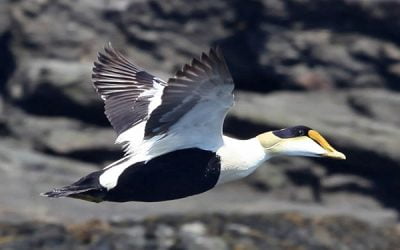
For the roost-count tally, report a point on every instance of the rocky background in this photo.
(333, 65)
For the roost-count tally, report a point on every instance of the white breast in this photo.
(239, 158)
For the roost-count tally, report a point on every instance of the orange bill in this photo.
(330, 151)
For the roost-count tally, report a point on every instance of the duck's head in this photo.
(298, 140)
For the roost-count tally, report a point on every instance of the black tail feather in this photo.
(87, 188)
(65, 191)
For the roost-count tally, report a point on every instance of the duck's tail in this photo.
(87, 188)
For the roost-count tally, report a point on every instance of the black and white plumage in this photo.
(143, 108)
(172, 133)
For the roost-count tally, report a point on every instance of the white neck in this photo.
(239, 158)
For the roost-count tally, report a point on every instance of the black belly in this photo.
(171, 176)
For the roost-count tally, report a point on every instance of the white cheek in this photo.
(306, 147)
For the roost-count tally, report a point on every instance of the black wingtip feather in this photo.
(57, 193)
(66, 191)
(108, 48)
(51, 194)
(88, 194)
(119, 83)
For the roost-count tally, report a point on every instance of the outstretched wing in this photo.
(126, 89)
(151, 115)
(205, 83)
(194, 105)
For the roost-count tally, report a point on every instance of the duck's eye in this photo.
(301, 132)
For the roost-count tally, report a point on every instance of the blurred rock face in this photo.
(331, 65)
(216, 232)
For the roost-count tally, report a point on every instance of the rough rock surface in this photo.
(63, 136)
(333, 65)
(214, 232)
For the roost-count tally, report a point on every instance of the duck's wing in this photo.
(186, 111)
(194, 104)
(127, 90)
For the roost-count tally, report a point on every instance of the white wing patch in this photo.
(153, 117)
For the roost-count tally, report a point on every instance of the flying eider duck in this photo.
(171, 132)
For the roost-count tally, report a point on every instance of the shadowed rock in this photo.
(216, 232)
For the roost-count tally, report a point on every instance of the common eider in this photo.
(171, 132)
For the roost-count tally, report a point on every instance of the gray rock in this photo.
(4, 16)
(268, 177)
(380, 106)
(52, 87)
(49, 78)
(134, 237)
(63, 136)
(61, 29)
(260, 231)
(296, 179)
(340, 181)
(194, 236)
(276, 43)
(165, 236)
(322, 59)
